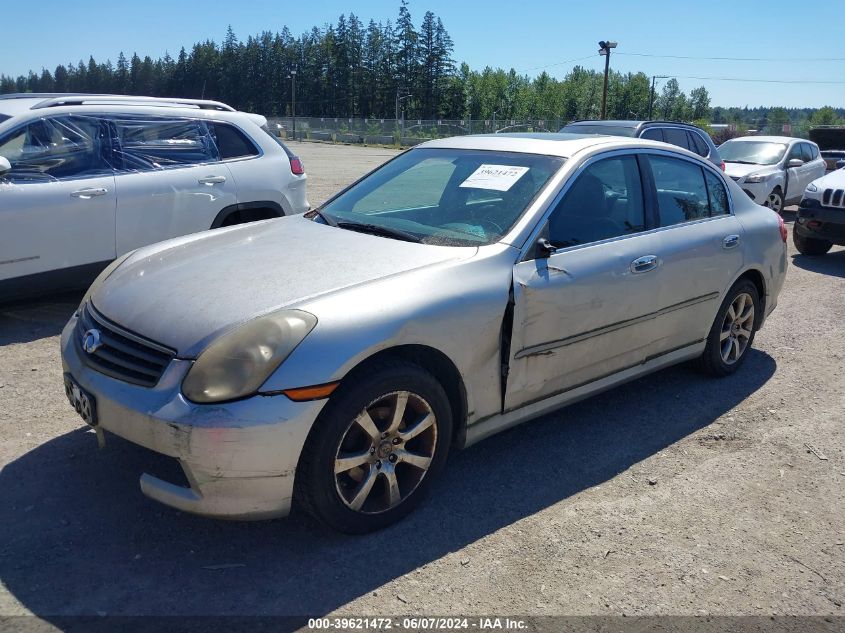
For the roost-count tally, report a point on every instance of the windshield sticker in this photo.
(496, 177)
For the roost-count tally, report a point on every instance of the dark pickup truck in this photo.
(831, 142)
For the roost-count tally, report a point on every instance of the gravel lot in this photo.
(675, 494)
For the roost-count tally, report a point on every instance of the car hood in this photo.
(740, 170)
(186, 292)
(834, 180)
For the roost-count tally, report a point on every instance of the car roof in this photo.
(634, 123)
(770, 139)
(551, 144)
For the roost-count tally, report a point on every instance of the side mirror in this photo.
(543, 248)
(5, 166)
(794, 162)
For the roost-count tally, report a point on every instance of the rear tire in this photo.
(732, 332)
(364, 466)
(810, 246)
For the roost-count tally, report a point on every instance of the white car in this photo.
(87, 178)
(772, 170)
(821, 217)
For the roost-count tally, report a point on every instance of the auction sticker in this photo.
(496, 177)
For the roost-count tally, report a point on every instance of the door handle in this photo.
(644, 264)
(731, 241)
(91, 192)
(212, 180)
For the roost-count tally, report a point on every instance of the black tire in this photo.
(810, 246)
(316, 490)
(712, 361)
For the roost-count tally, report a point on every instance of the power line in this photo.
(741, 59)
(566, 61)
(763, 81)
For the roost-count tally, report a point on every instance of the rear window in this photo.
(610, 130)
(231, 142)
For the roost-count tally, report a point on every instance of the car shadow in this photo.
(77, 536)
(27, 321)
(832, 264)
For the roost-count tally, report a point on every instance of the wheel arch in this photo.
(756, 277)
(248, 212)
(441, 367)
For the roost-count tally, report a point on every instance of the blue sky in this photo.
(527, 36)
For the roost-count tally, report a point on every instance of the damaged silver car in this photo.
(334, 360)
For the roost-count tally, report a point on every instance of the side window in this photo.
(815, 151)
(795, 152)
(652, 134)
(806, 152)
(145, 144)
(681, 192)
(697, 144)
(231, 142)
(676, 136)
(717, 194)
(605, 201)
(59, 147)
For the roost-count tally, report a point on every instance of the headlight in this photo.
(757, 178)
(238, 363)
(108, 270)
(812, 188)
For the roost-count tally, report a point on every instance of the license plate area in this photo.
(82, 401)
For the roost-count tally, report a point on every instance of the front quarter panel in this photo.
(456, 308)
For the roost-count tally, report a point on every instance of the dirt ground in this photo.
(675, 494)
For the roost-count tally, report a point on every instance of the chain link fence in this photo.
(402, 132)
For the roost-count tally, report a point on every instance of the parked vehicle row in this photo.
(87, 178)
(505, 276)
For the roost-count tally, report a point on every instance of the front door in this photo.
(587, 310)
(170, 181)
(57, 204)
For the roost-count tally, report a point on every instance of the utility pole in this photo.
(604, 49)
(293, 99)
(651, 96)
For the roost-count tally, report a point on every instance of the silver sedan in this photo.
(335, 359)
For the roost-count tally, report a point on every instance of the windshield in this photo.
(444, 196)
(610, 130)
(752, 152)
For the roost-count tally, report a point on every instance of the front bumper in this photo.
(757, 191)
(821, 223)
(239, 457)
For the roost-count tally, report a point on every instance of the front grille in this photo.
(833, 198)
(121, 354)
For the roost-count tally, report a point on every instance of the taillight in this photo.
(296, 166)
(782, 228)
(723, 165)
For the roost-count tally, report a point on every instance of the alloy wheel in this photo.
(737, 328)
(775, 202)
(385, 452)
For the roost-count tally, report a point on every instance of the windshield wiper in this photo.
(375, 229)
(326, 218)
(742, 162)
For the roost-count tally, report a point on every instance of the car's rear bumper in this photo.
(821, 223)
(238, 457)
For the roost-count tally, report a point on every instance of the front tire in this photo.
(810, 246)
(775, 200)
(732, 331)
(376, 448)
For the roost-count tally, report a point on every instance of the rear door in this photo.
(57, 205)
(699, 245)
(170, 181)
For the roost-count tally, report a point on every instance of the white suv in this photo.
(86, 178)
